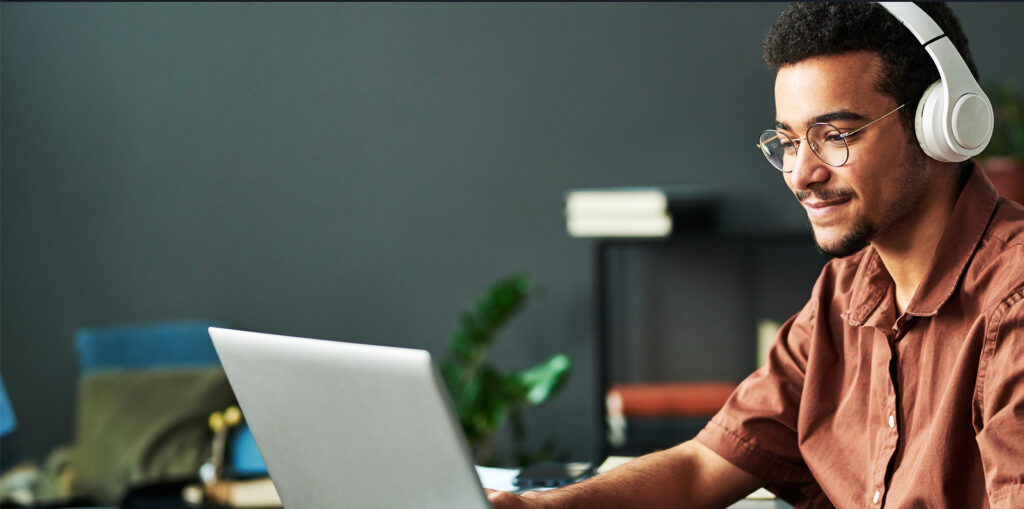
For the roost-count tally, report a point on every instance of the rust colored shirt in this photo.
(857, 406)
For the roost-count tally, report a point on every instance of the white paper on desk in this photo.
(500, 479)
(761, 494)
(612, 462)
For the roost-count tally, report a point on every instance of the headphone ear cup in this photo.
(929, 125)
(973, 120)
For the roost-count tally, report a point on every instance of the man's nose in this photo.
(808, 168)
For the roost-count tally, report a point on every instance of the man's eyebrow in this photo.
(839, 115)
(826, 117)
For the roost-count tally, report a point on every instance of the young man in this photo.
(901, 381)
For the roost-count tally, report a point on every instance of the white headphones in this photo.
(954, 117)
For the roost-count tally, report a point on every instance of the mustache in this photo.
(825, 194)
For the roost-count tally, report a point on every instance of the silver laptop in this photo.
(348, 425)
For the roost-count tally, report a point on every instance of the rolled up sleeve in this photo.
(999, 402)
(756, 430)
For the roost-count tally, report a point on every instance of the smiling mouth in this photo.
(823, 199)
(825, 211)
(822, 204)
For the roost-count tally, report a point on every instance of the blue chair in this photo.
(7, 420)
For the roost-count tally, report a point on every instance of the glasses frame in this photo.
(798, 142)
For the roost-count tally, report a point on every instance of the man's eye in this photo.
(835, 138)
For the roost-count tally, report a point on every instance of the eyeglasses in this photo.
(825, 140)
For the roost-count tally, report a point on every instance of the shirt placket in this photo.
(889, 430)
(885, 430)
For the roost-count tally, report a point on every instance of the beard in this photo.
(857, 238)
(912, 191)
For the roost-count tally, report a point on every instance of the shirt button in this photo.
(878, 495)
(892, 421)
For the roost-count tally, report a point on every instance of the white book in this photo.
(634, 201)
(638, 211)
(654, 226)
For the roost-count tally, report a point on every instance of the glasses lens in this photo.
(777, 148)
(829, 144)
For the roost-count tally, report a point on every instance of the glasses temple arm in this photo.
(855, 131)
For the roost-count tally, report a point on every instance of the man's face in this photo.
(882, 185)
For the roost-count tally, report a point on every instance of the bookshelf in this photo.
(685, 308)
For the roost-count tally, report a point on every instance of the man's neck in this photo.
(907, 248)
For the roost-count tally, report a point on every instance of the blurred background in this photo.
(364, 171)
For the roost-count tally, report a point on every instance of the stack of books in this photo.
(638, 211)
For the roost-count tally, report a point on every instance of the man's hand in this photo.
(506, 500)
(687, 475)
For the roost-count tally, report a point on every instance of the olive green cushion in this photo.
(145, 426)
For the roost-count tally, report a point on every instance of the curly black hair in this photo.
(806, 30)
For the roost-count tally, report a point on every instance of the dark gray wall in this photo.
(359, 171)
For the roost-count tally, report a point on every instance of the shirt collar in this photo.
(963, 233)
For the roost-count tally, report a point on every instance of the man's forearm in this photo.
(688, 475)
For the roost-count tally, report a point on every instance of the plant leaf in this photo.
(545, 379)
(492, 405)
(502, 301)
(483, 397)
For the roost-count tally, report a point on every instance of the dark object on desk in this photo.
(156, 496)
(165, 496)
(552, 474)
(62, 503)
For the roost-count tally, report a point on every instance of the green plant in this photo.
(484, 397)
(1008, 133)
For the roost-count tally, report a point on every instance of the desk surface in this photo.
(168, 496)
